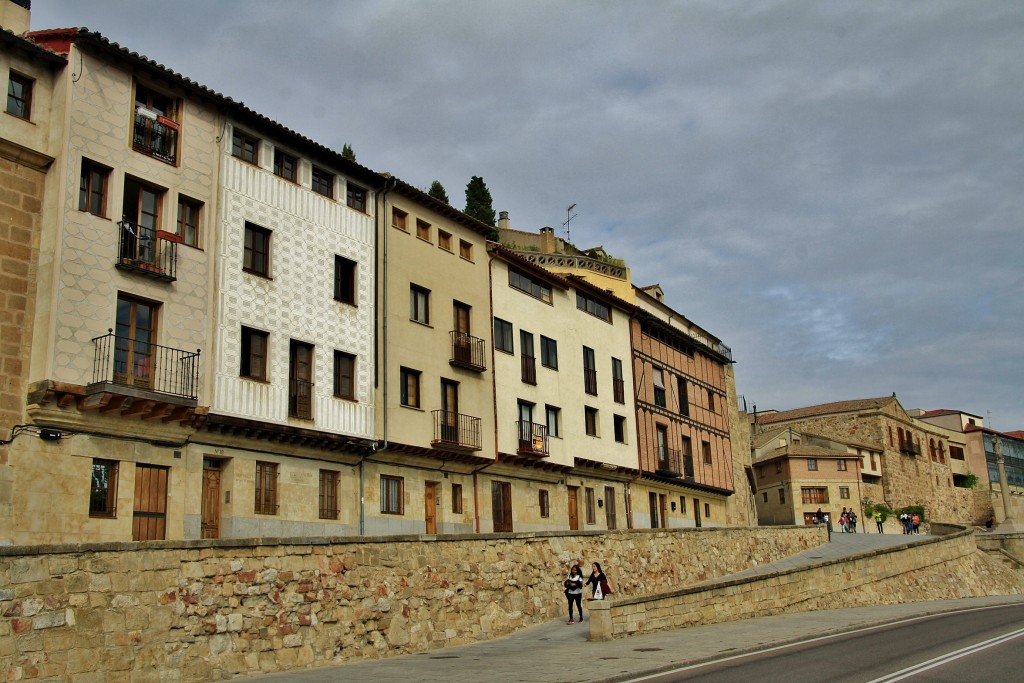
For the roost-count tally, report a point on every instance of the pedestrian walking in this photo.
(915, 522)
(879, 520)
(598, 583)
(574, 592)
(853, 522)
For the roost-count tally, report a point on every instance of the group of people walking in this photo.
(575, 585)
(911, 523)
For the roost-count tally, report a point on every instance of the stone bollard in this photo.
(600, 619)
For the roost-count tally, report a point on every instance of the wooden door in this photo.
(652, 503)
(501, 505)
(574, 509)
(149, 516)
(696, 511)
(430, 506)
(463, 349)
(210, 514)
(609, 507)
(663, 508)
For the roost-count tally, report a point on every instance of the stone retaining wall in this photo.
(941, 569)
(208, 610)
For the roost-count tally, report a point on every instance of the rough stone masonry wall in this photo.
(207, 610)
(946, 568)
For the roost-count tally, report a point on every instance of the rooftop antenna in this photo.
(569, 216)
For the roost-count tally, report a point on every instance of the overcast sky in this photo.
(835, 189)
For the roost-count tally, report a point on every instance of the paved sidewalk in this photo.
(555, 652)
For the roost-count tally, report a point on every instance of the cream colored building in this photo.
(566, 421)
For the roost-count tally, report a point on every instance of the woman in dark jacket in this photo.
(574, 592)
(596, 580)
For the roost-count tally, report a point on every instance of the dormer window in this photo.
(156, 125)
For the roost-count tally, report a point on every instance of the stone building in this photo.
(911, 471)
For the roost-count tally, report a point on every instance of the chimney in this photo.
(547, 240)
(503, 220)
(15, 15)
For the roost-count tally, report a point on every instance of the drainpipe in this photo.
(494, 391)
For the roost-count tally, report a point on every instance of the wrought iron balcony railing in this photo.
(468, 352)
(157, 137)
(300, 399)
(590, 381)
(140, 364)
(688, 466)
(147, 250)
(669, 462)
(528, 365)
(533, 438)
(455, 430)
(619, 390)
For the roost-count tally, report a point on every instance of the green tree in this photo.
(478, 201)
(348, 152)
(437, 192)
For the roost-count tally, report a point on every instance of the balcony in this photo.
(590, 381)
(669, 463)
(619, 390)
(300, 399)
(533, 439)
(528, 368)
(151, 252)
(151, 367)
(156, 136)
(456, 431)
(468, 352)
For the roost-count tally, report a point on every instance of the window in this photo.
(19, 95)
(813, 495)
(812, 464)
(620, 428)
(103, 495)
(256, 258)
(610, 516)
(764, 496)
(589, 371)
(844, 492)
(706, 450)
(684, 397)
(419, 304)
(552, 416)
(956, 453)
(503, 336)
(465, 250)
(300, 380)
(782, 496)
(711, 400)
(590, 420)
(840, 465)
(687, 451)
(266, 488)
(323, 182)
(444, 240)
(410, 391)
(187, 225)
(591, 504)
(707, 511)
(761, 470)
(501, 506)
(618, 386)
(548, 352)
(527, 361)
(457, 499)
(285, 165)
(92, 191)
(659, 387)
(344, 375)
(778, 467)
(328, 494)
(399, 219)
(155, 130)
(517, 279)
(254, 354)
(392, 495)
(355, 197)
(544, 499)
(344, 280)
(423, 229)
(245, 147)
(593, 307)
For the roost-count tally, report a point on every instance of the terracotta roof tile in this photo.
(825, 409)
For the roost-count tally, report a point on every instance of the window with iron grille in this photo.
(266, 488)
(328, 494)
(618, 386)
(589, 371)
(103, 494)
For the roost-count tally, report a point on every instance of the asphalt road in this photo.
(984, 644)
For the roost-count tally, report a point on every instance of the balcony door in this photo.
(134, 337)
(300, 381)
(450, 411)
(141, 213)
(526, 426)
(662, 433)
(460, 323)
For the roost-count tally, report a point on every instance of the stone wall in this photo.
(206, 610)
(942, 569)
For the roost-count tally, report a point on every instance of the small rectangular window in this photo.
(444, 240)
(466, 250)
(92, 191)
(618, 384)
(344, 280)
(419, 304)
(328, 494)
(19, 95)
(684, 398)
(548, 352)
(707, 511)
(503, 336)
(590, 497)
(552, 417)
(840, 465)
(593, 307)
(620, 429)
(590, 420)
(410, 390)
(266, 488)
(812, 464)
(355, 197)
(323, 182)
(529, 285)
(782, 496)
(285, 165)
(544, 500)
(423, 230)
(188, 220)
(658, 377)
(844, 492)
(245, 147)
(256, 257)
(344, 375)
(399, 219)
(706, 447)
(254, 354)
(711, 400)
(391, 495)
(457, 499)
(103, 495)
